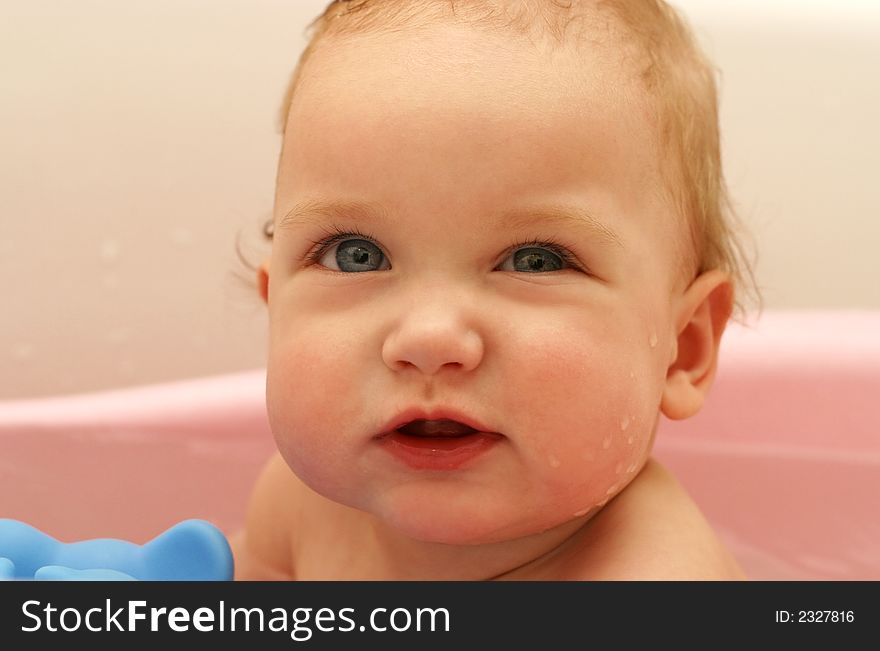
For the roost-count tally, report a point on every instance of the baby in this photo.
(501, 249)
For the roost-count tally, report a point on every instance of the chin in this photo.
(450, 524)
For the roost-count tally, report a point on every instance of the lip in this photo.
(436, 452)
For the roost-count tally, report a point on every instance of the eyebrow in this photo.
(553, 214)
(313, 211)
(563, 216)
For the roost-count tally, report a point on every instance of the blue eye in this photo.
(354, 252)
(352, 256)
(534, 260)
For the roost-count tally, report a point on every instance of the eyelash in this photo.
(333, 235)
(554, 247)
(336, 234)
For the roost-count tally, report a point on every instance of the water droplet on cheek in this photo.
(653, 340)
(618, 468)
(612, 490)
(578, 514)
(606, 442)
(629, 440)
(624, 423)
(554, 461)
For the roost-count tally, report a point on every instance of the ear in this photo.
(702, 315)
(263, 280)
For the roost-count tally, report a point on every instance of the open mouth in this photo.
(437, 444)
(436, 429)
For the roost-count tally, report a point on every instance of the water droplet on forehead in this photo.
(554, 462)
(606, 442)
(109, 250)
(21, 351)
(180, 236)
(653, 340)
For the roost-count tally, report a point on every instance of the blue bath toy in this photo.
(7, 570)
(192, 550)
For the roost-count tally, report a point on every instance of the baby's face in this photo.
(458, 283)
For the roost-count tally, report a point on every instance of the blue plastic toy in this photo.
(192, 550)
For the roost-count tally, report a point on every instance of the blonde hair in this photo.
(672, 69)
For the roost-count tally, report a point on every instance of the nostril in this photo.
(431, 347)
(430, 372)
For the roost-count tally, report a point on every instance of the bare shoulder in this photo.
(653, 530)
(264, 549)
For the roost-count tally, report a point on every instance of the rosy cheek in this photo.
(583, 412)
(302, 374)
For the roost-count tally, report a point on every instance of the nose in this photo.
(430, 339)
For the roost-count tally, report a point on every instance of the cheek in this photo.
(308, 377)
(583, 405)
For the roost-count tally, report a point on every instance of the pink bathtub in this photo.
(784, 459)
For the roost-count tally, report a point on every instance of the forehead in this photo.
(468, 69)
(471, 116)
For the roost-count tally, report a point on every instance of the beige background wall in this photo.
(138, 141)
